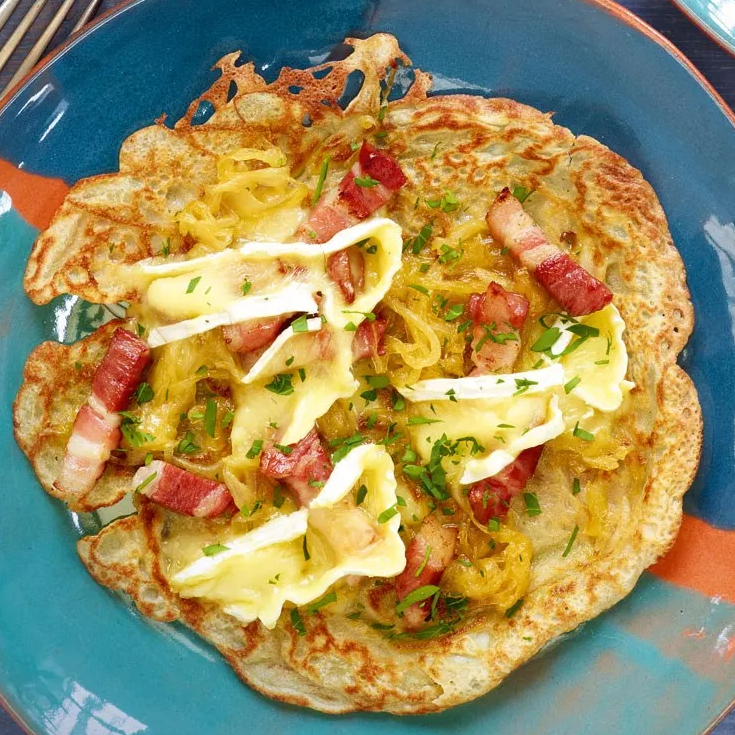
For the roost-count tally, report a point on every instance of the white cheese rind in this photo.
(484, 386)
(235, 578)
(294, 298)
(482, 468)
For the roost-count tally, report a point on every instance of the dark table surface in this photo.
(716, 64)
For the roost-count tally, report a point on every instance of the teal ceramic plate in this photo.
(75, 659)
(715, 17)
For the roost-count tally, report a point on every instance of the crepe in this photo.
(469, 146)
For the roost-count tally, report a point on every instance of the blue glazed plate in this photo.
(715, 17)
(76, 659)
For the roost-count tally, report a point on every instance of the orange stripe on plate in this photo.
(701, 559)
(35, 197)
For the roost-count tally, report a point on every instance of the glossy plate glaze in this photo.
(75, 659)
(715, 17)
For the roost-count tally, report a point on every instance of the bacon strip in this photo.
(183, 491)
(120, 371)
(347, 269)
(499, 315)
(251, 336)
(96, 432)
(576, 290)
(351, 202)
(307, 461)
(491, 498)
(368, 339)
(427, 556)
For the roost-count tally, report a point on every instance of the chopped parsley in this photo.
(523, 384)
(377, 381)
(418, 595)
(281, 385)
(247, 512)
(450, 254)
(514, 608)
(302, 374)
(187, 445)
(398, 401)
(148, 480)
(300, 325)
(131, 433)
(144, 393)
(532, 505)
(255, 449)
(367, 314)
(314, 607)
(297, 622)
(521, 193)
(388, 513)
(367, 181)
(417, 244)
(278, 496)
(210, 417)
(418, 420)
(572, 384)
(547, 340)
(582, 434)
(320, 181)
(424, 561)
(345, 444)
(571, 540)
(448, 203)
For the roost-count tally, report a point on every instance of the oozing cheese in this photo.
(599, 362)
(266, 568)
(502, 427)
(283, 279)
(292, 414)
(274, 359)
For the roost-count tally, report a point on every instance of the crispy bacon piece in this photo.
(306, 461)
(381, 167)
(427, 556)
(326, 220)
(250, 336)
(120, 371)
(183, 491)
(351, 202)
(491, 498)
(499, 315)
(96, 432)
(368, 339)
(347, 269)
(576, 290)
(92, 439)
